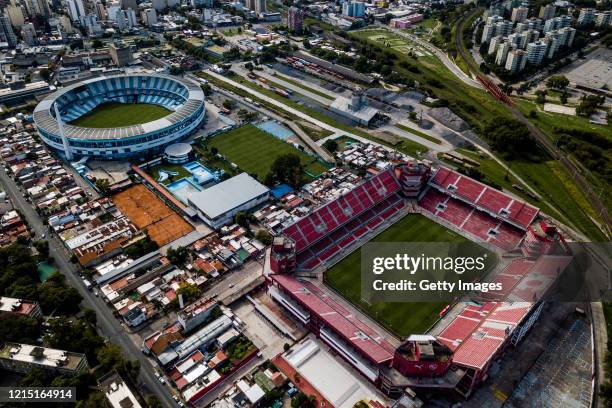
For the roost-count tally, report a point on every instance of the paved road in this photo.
(107, 324)
(318, 98)
(442, 56)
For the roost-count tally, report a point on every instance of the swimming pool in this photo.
(201, 175)
(183, 189)
(275, 129)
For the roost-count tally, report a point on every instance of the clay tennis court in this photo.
(151, 214)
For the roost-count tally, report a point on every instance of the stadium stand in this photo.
(496, 203)
(330, 229)
(483, 213)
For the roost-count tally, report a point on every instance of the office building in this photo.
(23, 358)
(603, 19)
(495, 41)
(259, 6)
(76, 9)
(15, 14)
(120, 53)
(353, 9)
(28, 33)
(149, 17)
(557, 23)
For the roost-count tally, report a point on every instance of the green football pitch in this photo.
(254, 151)
(401, 319)
(114, 114)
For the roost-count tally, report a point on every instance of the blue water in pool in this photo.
(201, 175)
(183, 189)
(275, 129)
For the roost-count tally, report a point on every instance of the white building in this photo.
(586, 16)
(502, 53)
(117, 393)
(603, 19)
(217, 205)
(76, 9)
(519, 14)
(536, 52)
(149, 17)
(547, 12)
(516, 60)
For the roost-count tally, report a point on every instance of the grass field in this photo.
(114, 114)
(400, 318)
(254, 151)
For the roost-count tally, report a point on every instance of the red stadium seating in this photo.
(498, 204)
(469, 219)
(308, 230)
(336, 225)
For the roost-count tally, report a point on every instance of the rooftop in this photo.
(227, 195)
(41, 356)
(361, 336)
(117, 392)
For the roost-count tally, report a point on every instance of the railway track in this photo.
(575, 172)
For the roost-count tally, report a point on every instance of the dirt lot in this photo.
(149, 213)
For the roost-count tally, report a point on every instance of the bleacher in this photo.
(152, 90)
(468, 218)
(487, 199)
(334, 227)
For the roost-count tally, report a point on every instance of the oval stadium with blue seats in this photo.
(183, 99)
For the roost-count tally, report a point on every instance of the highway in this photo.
(107, 324)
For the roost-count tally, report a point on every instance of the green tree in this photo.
(19, 329)
(178, 256)
(189, 291)
(557, 82)
(286, 169)
(330, 145)
(509, 137)
(152, 401)
(264, 237)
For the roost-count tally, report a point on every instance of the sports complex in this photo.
(119, 116)
(438, 346)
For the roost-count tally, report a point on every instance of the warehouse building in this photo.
(217, 205)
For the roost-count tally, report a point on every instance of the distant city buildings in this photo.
(547, 12)
(295, 19)
(519, 14)
(353, 9)
(7, 34)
